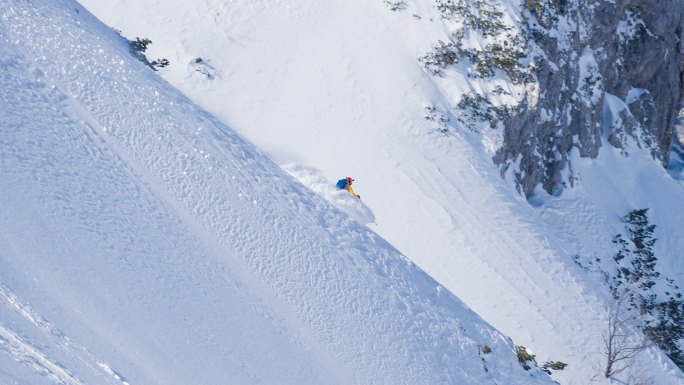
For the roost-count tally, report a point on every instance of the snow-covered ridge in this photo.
(144, 242)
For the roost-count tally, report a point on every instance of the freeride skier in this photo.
(346, 184)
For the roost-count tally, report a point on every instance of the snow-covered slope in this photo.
(144, 242)
(330, 89)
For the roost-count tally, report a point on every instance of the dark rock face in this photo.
(591, 55)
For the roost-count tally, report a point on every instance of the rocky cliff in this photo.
(605, 70)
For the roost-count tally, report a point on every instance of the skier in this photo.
(345, 184)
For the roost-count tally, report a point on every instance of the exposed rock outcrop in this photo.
(608, 69)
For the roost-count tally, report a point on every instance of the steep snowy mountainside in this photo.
(330, 89)
(144, 242)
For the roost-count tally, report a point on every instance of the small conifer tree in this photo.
(634, 281)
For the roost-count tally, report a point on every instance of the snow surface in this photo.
(144, 242)
(330, 89)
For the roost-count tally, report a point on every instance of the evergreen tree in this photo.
(667, 327)
(635, 278)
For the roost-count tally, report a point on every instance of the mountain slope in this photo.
(335, 89)
(144, 242)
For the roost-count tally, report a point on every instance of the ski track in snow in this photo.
(536, 272)
(25, 352)
(28, 355)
